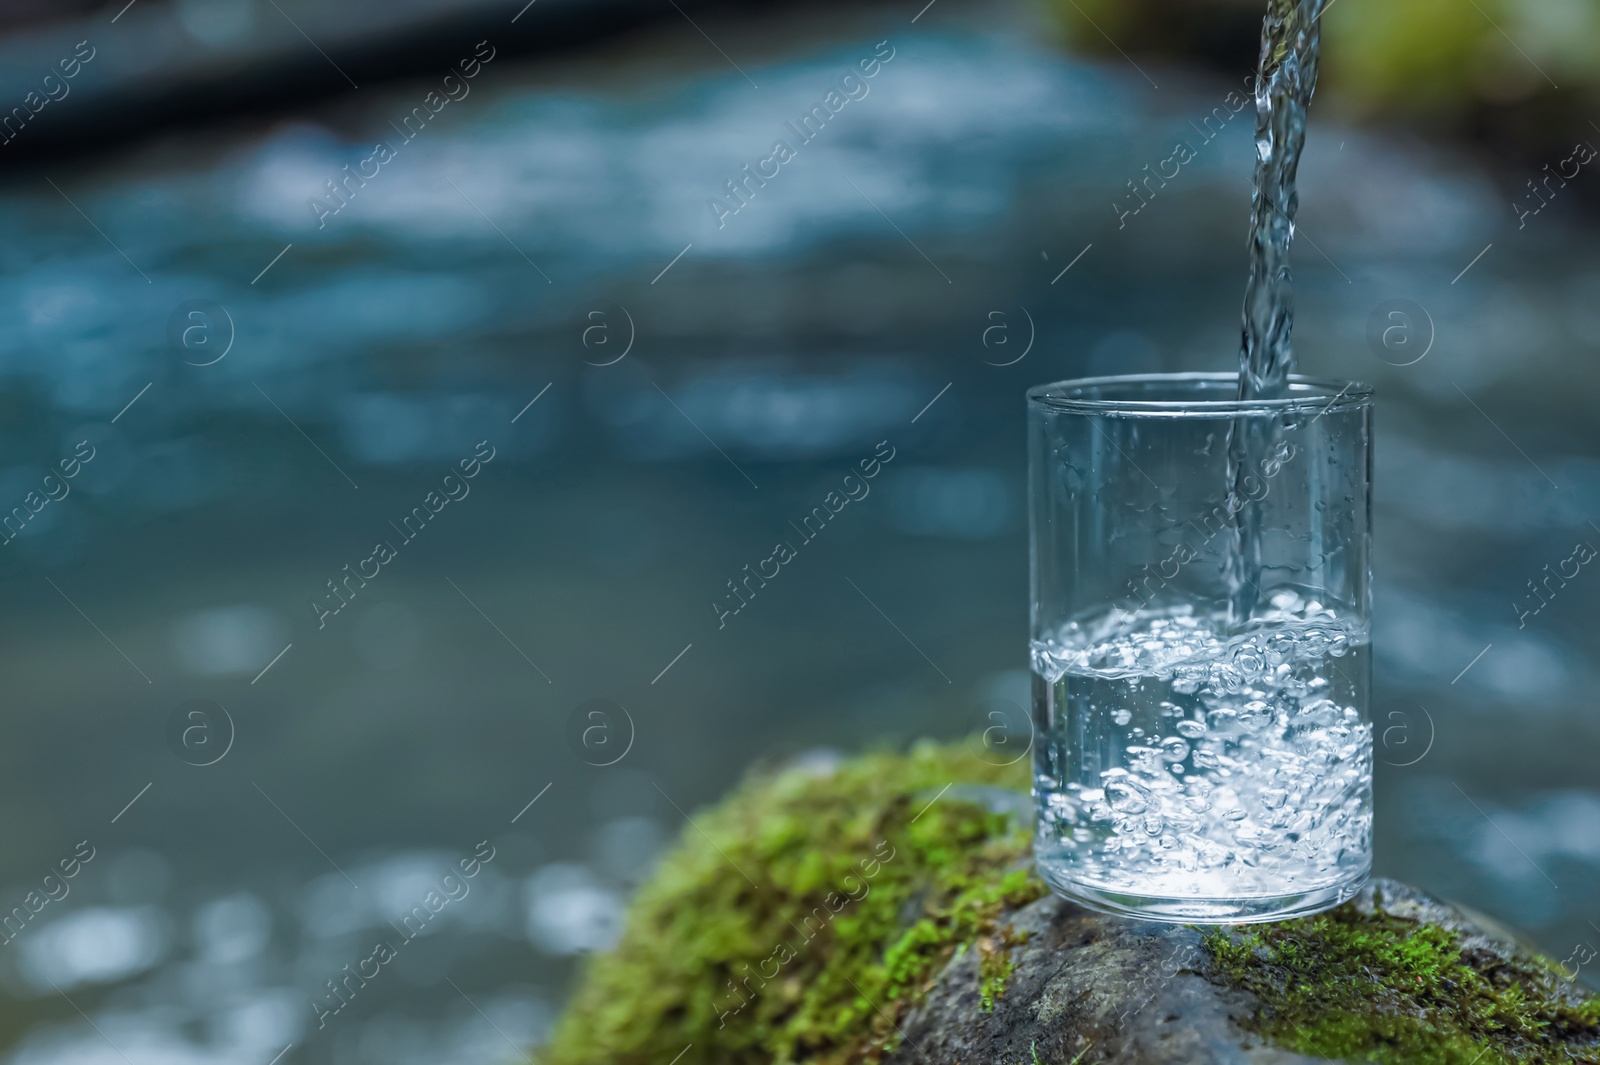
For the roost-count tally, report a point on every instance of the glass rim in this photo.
(1325, 394)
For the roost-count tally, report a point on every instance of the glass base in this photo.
(1192, 910)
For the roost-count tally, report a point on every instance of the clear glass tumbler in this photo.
(1200, 647)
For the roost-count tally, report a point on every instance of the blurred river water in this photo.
(283, 743)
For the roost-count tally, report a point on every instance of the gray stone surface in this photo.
(1093, 988)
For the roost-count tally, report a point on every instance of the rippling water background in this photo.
(900, 280)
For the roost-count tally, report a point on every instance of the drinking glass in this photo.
(1199, 642)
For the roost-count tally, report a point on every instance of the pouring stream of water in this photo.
(1286, 76)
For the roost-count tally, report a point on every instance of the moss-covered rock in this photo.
(885, 909)
(1400, 977)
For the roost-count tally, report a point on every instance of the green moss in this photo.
(993, 972)
(808, 919)
(1375, 987)
(996, 964)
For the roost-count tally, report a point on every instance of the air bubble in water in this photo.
(1262, 777)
